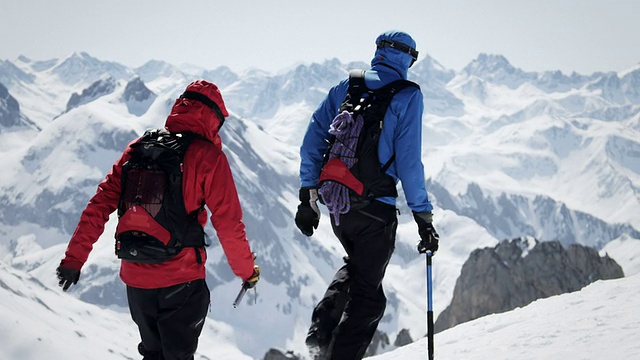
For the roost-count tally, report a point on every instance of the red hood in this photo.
(194, 116)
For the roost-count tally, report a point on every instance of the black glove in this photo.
(67, 277)
(253, 280)
(308, 215)
(429, 238)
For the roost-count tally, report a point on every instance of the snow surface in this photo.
(601, 321)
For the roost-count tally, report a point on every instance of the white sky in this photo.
(568, 35)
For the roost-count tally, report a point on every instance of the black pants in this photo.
(170, 319)
(344, 321)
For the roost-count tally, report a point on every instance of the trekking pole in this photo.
(429, 306)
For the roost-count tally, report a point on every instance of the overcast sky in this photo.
(534, 35)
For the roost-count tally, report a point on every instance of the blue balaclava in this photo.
(398, 58)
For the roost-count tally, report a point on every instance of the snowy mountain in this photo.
(507, 154)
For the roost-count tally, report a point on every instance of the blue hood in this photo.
(398, 60)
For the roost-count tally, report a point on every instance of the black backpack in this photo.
(153, 223)
(358, 169)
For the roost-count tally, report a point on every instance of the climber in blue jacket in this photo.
(344, 321)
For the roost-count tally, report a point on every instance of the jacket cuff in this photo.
(423, 217)
(71, 264)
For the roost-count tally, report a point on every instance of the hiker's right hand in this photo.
(308, 215)
(67, 277)
(429, 237)
(253, 280)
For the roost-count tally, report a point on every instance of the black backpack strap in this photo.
(357, 86)
(388, 91)
(189, 136)
(395, 87)
(387, 165)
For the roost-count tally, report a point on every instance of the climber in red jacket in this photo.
(166, 299)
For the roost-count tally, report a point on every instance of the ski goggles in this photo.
(386, 43)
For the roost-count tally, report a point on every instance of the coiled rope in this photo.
(346, 130)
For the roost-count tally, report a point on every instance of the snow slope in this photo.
(599, 322)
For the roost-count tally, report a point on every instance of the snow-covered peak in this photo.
(81, 68)
(154, 69)
(431, 73)
(633, 69)
(489, 63)
(222, 76)
(11, 74)
(23, 59)
(496, 68)
(557, 81)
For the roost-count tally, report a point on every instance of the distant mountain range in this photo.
(507, 154)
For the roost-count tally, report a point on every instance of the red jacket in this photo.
(207, 179)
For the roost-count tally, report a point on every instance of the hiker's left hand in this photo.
(429, 238)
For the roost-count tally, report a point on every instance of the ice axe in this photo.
(243, 289)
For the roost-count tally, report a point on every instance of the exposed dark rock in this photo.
(97, 89)
(9, 109)
(379, 342)
(136, 90)
(138, 97)
(10, 115)
(275, 354)
(513, 274)
(403, 338)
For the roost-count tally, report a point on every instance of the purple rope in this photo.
(346, 130)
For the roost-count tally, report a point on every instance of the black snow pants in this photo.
(169, 319)
(345, 320)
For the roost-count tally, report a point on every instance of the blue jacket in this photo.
(401, 132)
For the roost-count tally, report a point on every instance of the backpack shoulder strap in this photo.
(386, 93)
(357, 86)
(395, 87)
(189, 136)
